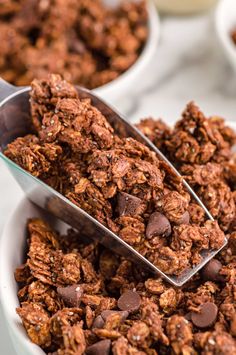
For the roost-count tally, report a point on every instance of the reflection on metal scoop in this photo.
(15, 121)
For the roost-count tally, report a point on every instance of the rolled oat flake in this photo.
(123, 314)
(207, 315)
(129, 301)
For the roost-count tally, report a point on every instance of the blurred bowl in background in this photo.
(225, 22)
(116, 90)
(184, 7)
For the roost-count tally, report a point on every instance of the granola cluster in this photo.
(83, 40)
(201, 149)
(77, 297)
(117, 180)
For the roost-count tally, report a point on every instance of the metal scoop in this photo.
(15, 121)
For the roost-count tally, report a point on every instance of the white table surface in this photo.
(188, 65)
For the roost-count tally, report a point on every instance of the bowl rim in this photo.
(223, 33)
(17, 333)
(143, 59)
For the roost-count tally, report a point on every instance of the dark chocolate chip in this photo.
(100, 348)
(107, 313)
(188, 316)
(129, 301)
(98, 322)
(185, 219)
(71, 295)
(158, 224)
(210, 272)
(128, 204)
(207, 315)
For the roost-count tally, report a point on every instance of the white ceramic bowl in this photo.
(12, 248)
(225, 21)
(182, 7)
(114, 91)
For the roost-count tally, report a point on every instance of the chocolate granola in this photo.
(201, 149)
(83, 40)
(119, 181)
(76, 297)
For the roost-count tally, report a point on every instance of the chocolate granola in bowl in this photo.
(76, 297)
(85, 41)
(118, 181)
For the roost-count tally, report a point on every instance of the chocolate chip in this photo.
(188, 316)
(206, 316)
(100, 348)
(107, 313)
(130, 301)
(158, 224)
(98, 322)
(71, 294)
(210, 272)
(128, 204)
(185, 219)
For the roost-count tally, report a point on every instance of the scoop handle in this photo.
(6, 89)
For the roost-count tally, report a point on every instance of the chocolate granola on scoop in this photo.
(199, 318)
(119, 181)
